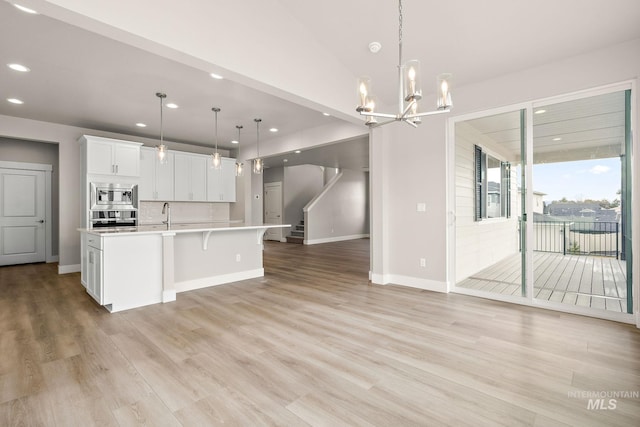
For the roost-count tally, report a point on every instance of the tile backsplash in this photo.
(183, 212)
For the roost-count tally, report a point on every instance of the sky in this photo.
(586, 179)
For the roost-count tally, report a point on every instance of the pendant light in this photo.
(216, 161)
(239, 165)
(257, 162)
(162, 149)
(409, 92)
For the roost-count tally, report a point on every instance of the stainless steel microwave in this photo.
(120, 197)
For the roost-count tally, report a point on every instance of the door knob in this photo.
(41, 221)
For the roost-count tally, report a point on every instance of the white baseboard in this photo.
(168, 296)
(335, 239)
(190, 285)
(72, 268)
(412, 282)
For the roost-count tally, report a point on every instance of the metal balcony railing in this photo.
(578, 238)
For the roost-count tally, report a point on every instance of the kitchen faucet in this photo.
(166, 208)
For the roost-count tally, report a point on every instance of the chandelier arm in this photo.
(407, 109)
(409, 122)
(375, 125)
(384, 115)
(429, 113)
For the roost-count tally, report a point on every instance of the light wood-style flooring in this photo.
(311, 343)
(588, 281)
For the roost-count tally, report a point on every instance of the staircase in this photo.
(297, 234)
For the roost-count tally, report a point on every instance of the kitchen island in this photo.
(124, 268)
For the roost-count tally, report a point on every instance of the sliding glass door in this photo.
(489, 204)
(542, 204)
(579, 173)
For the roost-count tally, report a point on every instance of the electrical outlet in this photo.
(423, 262)
(237, 257)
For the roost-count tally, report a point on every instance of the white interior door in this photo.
(273, 209)
(22, 216)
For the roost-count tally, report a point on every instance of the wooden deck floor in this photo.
(588, 281)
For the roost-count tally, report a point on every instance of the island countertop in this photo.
(180, 228)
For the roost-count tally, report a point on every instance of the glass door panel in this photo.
(488, 228)
(579, 188)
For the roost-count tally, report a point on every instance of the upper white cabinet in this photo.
(190, 177)
(112, 157)
(156, 180)
(221, 183)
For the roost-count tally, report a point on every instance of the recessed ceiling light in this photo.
(172, 105)
(541, 111)
(19, 67)
(235, 142)
(273, 130)
(326, 114)
(141, 125)
(216, 76)
(25, 9)
(285, 160)
(15, 101)
(557, 139)
(298, 151)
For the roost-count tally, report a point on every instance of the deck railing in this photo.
(578, 238)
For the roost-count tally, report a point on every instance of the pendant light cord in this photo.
(216, 110)
(400, 33)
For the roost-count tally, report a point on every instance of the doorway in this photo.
(543, 195)
(273, 210)
(23, 213)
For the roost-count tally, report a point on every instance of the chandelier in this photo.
(216, 161)
(409, 92)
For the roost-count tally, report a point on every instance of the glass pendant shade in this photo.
(161, 150)
(412, 87)
(216, 160)
(443, 91)
(257, 166)
(257, 163)
(239, 165)
(364, 93)
(370, 105)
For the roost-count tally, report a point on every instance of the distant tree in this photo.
(563, 200)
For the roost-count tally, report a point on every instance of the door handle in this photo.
(41, 221)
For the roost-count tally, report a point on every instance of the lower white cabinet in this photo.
(94, 269)
(123, 270)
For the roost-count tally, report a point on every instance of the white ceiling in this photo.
(87, 80)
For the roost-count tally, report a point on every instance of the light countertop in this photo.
(180, 228)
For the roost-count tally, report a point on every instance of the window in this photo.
(492, 186)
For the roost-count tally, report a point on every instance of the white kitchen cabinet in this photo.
(94, 269)
(221, 183)
(112, 157)
(156, 180)
(190, 177)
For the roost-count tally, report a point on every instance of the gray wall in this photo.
(301, 184)
(13, 150)
(342, 211)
